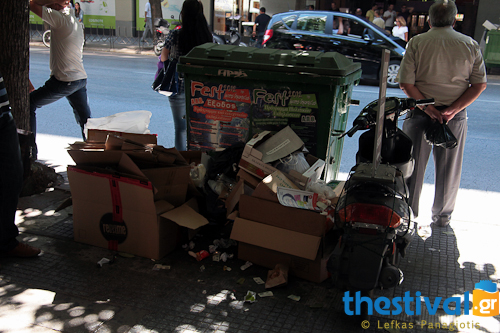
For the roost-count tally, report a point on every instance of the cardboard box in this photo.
(269, 234)
(132, 201)
(310, 175)
(263, 149)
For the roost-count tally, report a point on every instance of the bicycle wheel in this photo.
(46, 38)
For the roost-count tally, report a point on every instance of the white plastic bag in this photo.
(130, 121)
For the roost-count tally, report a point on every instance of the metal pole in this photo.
(381, 111)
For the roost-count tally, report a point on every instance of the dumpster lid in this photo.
(290, 61)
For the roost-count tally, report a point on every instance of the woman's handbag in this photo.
(440, 135)
(167, 81)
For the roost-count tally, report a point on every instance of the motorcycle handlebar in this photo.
(351, 132)
(426, 101)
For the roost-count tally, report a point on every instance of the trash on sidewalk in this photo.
(246, 265)
(294, 297)
(258, 280)
(266, 294)
(158, 267)
(250, 296)
(277, 277)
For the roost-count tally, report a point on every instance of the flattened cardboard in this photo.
(274, 214)
(96, 135)
(277, 239)
(278, 179)
(234, 197)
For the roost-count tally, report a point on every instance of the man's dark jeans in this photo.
(11, 181)
(53, 90)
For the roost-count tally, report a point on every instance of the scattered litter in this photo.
(246, 265)
(199, 255)
(188, 246)
(216, 256)
(223, 257)
(204, 292)
(202, 268)
(225, 243)
(212, 248)
(157, 267)
(266, 294)
(240, 281)
(250, 296)
(277, 276)
(294, 297)
(226, 268)
(258, 280)
(103, 261)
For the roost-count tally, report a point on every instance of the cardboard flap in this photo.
(275, 214)
(277, 239)
(185, 216)
(163, 206)
(97, 135)
(107, 158)
(280, 145)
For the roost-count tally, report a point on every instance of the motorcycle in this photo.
(373, 214)
(234, 38)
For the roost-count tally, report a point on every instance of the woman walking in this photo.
(194, 32)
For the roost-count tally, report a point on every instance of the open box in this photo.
(121, 201)
(269, 234)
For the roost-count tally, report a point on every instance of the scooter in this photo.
(234, 38)
(373, 214)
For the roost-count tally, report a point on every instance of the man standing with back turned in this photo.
(260, 26)
(448, 66)
(67, 75)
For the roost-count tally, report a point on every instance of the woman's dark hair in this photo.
(77, 11)
(194, 30)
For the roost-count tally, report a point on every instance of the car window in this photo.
(312, 22)
(355, 28)
(285, 21)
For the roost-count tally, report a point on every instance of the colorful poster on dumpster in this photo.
(275, 109)
(220, 115)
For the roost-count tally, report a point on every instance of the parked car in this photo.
(347, 34)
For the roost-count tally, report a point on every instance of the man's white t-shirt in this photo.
(66, 45)
(147, 9)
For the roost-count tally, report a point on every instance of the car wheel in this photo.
(392, 73)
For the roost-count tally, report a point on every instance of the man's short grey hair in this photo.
(442, 13)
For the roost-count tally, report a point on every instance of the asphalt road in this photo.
(122, 82)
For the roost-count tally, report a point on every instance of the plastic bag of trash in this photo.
(130, 121)
(295, 161)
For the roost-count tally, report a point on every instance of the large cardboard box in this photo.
(269, 234)
(123, 207)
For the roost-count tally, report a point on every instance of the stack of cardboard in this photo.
(269, 232)
(131, 195)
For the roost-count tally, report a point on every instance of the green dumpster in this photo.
(234, 92)
(492, 50)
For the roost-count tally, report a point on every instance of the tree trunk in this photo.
(14, 58)
(156, 9)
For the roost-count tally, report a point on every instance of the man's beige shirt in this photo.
(442, 63)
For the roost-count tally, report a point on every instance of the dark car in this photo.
(327, 31)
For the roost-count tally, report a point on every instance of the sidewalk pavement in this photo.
(64, 290)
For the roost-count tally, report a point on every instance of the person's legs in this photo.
(53, 90)
(448, 171)
(178, 107)
(147, 27)
(79, 102)
(414, 127)
(11, 181)
(260, 39)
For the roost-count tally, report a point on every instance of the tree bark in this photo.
(156, 9)
(14, 58)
